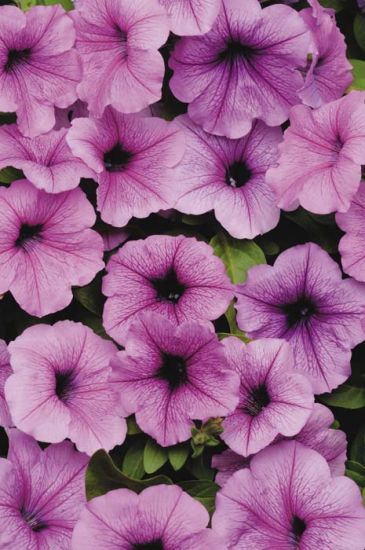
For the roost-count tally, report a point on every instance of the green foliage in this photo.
(346, 397)
(9, 174)
(359, 30)
(356, 472)
(90, 296)
(133, 460)
(178, 455)
(336, 5)
(132, 425)
(154, 457)
(358, 73)
(203, 491)
(320, 229)
(357, 452)
(27, 4)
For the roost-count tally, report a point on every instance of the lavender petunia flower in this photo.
(178, 277)
(351, 246)
(41, 494)
(118, 41)
(5, 372)
(361, 4)
(303, 299)
(244, 68)
(46, 160)
(60, 387)
(227, 463)
(288, 499)
(160, 518)
(168, 376)
(46, 246)
(132, 157)
(191, 17)
(228, 176)
(64, 117)
(321, 156)
(39, 69)
(274, 399)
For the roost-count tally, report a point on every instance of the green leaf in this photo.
(199, 469)
(359, 29)
(336, 5)
(357, 452)
(242, 336)
(203, 491)
(90, 296)
(358, 73)
(178, 455)
(356, 471)
(133, 460)
(133, 428)
(154, 457)
(102, 476)
(324, 234)
(346, 397)
(27, 4)
(9, 174)
(95, 323)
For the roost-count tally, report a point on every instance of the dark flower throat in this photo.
(235, 50)
(258, 399)
(16, 58)
(64, 383)
(173, 370)
(153, 545)
(299, 312)
(298, 528)
(33, 521)
(117, 158)
(238, 174)
(168, 288)
(28, 233)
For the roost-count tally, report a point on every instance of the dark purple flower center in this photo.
(238, 174)
(169, 287)
(298, 528)
(117, 158)
(17, 57)
(64, 385)
(28, 233)
(235, 50)
(173, 370)
(153, 545)
(34, 522)
(299, 312)
(257, 400)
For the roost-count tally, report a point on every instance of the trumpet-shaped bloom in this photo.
(191, 17)
(228, 176)
(64, 117)
(178, 277)
(303, 299)
(5, 371)
(60, 386)
(46, 160)
(161, 518)
(118, 41)
(41, 494)
(274, 399)
(168, 376)
(39, 69)
(244, 68)
(46, 246)
(351, 246)
(321, 156)
(132, 157)
(227, 463)
(288, 499)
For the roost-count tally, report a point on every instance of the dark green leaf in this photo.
(359, 29)
(358, 73)
(90, 296)
(222, 335)
(154, 456)
(199, 469)
(133, 460)
(357, 453)
(9, 174)
(326, 237)
(95, 323)
(336, 5)
(356, 472)
(203, 491)
(133, 427)
(346, 397)
(178, 455)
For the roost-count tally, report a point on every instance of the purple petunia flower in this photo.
(41, 494)
(46, 160)
(228, 176)
(191, 17)
(244, 68)
(132, 157)
(118, 41)
(361, 4)
(351, 246)
(288, 499)
(39, 69)
(274, 399)
(303, 299)
(168, 376)
(46, 246)
(5, 372)
(178, 277)
(163, 517)
(64, 117)
(227, 463)
(60, 387)
(321, 156)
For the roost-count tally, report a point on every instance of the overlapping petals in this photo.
(5, 371)
(191, 17)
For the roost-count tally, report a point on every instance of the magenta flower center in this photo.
(117, 158)
(173, 370)
(28, 233)
(299, 312)
(298, 528)
(237, 174)
(17, 57)
(64, 385)
(33, 521)
(169, 287)
(235, 50)
(153, 545)
(257, 400)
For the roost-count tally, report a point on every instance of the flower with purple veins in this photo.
(287, 499)
(41, 494)
(132, 157)
(244, 68)
(191, 17)
(39, 69)
(303, 299)
(5, 372)
(228, 176)
(227, 463)
(178, 277)
(168, 376)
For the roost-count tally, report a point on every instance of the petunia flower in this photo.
(178, 277)
(228, 176)
(361, 4)
(321, 156)
(274, 398)
(39, 69)
(242, 69)
(168, 376)
(288, 499)
(60, 387)
(351, 246)
(132, 157)
(46, 160)
(303, 299)
(118, 41)
(227, 463)
(41, 494)
(5, 371)
(191, 17)
(64, 117)
(163, 517)
(46, 246)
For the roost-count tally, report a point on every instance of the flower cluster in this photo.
(146, 147)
